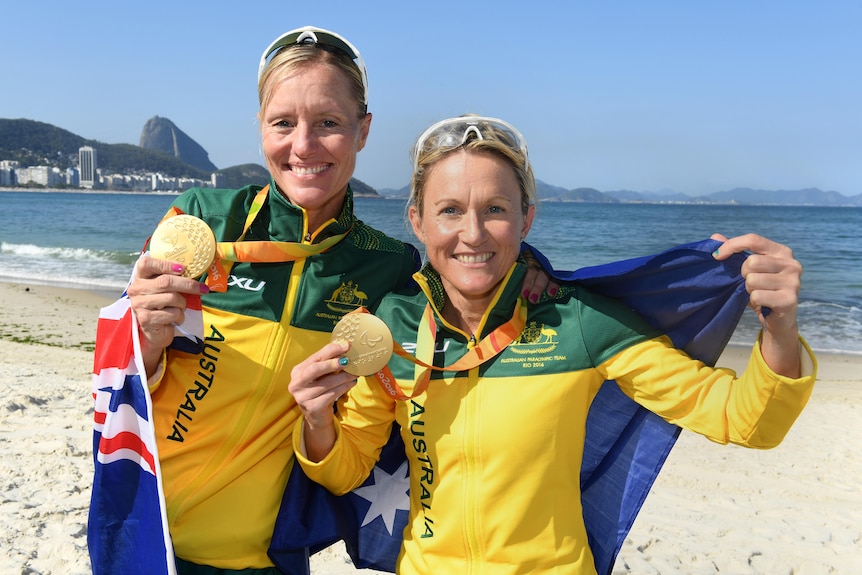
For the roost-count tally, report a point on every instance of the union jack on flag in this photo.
(127, 530)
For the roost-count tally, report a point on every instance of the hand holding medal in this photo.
(370, 343)
(186, 240)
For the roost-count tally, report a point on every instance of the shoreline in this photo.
(88, 191)
(795, 508)
(94, 297)
(147, 193)
(54, 316)
(694, 201)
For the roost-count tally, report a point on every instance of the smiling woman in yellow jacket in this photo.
(495, 446)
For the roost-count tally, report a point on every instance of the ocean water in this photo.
(90, 241)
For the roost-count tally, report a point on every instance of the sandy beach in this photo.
(795, 509)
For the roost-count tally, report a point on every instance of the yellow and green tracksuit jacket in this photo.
(495, 453)
(224, 417)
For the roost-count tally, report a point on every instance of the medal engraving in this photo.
(370, 342)
(186, 240)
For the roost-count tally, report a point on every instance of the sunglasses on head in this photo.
(455, 132)
(310, 34)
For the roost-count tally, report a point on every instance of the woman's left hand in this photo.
(537, 281)
(772, 277)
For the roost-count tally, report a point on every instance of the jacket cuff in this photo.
(807, 362)
(155, 380)
(302, 453)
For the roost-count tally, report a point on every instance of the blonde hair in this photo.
(292, 58)
(492, 142)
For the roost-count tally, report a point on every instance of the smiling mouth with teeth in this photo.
(474, 258)
(301, 171)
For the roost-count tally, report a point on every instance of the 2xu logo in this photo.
(245, 283)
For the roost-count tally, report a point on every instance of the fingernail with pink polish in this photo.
(177, 268)
(205, 288)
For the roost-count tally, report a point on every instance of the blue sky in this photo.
(686, 95)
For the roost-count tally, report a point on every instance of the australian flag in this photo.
(683, 291)
(127, 531)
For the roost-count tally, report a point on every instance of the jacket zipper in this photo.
(471, 465)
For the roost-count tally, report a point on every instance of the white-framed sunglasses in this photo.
(455, 132)
(311, 34)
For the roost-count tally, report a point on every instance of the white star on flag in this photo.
(388, 494)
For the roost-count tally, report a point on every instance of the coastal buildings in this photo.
(87, 167)
(88, 176)
(7, 173)
(12, 175)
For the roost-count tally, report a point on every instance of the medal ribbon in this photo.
(426, 339)
(256, 252)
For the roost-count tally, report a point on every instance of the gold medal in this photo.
(186, 240)
(370, 342)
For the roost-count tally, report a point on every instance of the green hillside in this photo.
(39, 144)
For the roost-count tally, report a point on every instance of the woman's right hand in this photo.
(156, 297)
(316, 384)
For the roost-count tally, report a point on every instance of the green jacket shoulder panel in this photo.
(223, 210)
(575, 331)
(608, 326)
(356, 272)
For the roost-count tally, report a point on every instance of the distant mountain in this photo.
(626, 195)
(246, 174)
(39, 144)
(665, 196)
(748, 196)
(556, 194)
(35, 143)
(360, 188)
(243, 175)
(804, 197)
(808, 196)
(395, 193)
(31, 142)
(544, 191)
(162, 135)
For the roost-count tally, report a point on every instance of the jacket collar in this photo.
(501, 308)
(289, 222)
